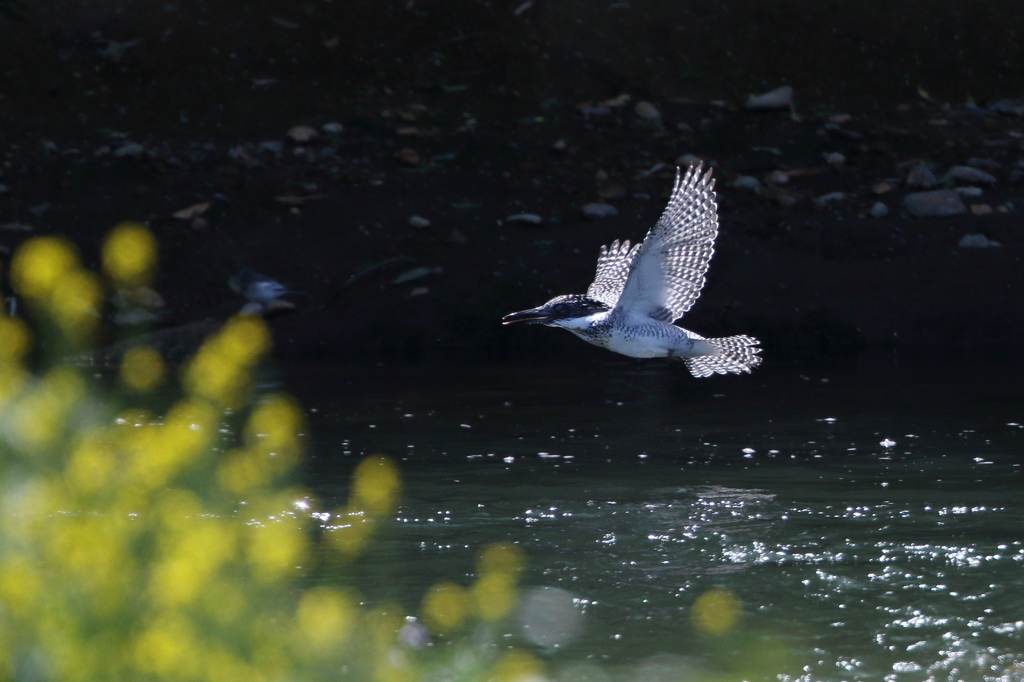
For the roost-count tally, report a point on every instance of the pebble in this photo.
(272, 146)
(140, 297)
(129, 150)
(747, 182)
(192, 212)
(333, 128)
(778, 177)
(408, 156)
(830, 198)
(687, 160)
(881, 187)
(416, 273)
(969, 174)
(935, 204)
(969, 191)
(302, 133)
(419, 222)
(779, 98)
(984, 164)
(1007, 107)
(134, 317)
(600, 210)
(977, 241)
(981, 209)
(834, 158)
(879, 210)
(559, 146)
(647, 111)
(840, 119)
(611, 192)
(921, 176)
(530, 218)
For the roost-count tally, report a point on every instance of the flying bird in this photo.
(640, 290)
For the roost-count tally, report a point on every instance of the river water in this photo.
(867, 516)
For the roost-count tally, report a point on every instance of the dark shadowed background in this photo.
(466, 112)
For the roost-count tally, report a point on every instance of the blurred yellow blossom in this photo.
(273, 428)
(142, 368)
(74, 303)
(500, 557)
(517, 666)
(219, 372)
(375, 485)
(325, 617)
(130, 255)
(38, 264)
(14, 339)
(715, 612)
(444, 607)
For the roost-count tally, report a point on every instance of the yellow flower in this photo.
(715, 612)
(130, 255)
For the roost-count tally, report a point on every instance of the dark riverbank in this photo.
(491, 103)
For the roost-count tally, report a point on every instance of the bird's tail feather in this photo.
(736, 354)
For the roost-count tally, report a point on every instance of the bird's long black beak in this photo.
(531, 316)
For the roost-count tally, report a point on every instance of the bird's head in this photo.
(558, 311)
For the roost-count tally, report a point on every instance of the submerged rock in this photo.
(302, 134)
(984, 164)
(647, 111)
(935, 204)
(879, 210)
(779, 98)
(834, 158)
(747, 182)
(132, 150)
(830, 198)
(969, 174)
(921, 176)
(977, 241)
(529, 218)
(599, 210)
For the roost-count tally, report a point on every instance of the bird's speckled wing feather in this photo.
(667, 273)
(612, 272)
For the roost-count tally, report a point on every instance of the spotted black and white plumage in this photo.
(612, 272)
(639, 291)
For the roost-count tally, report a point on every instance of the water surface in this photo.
(868, 517)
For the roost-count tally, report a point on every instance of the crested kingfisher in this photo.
(640, 290)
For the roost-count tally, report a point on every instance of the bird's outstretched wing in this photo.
(612, 271)
(667, 273)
